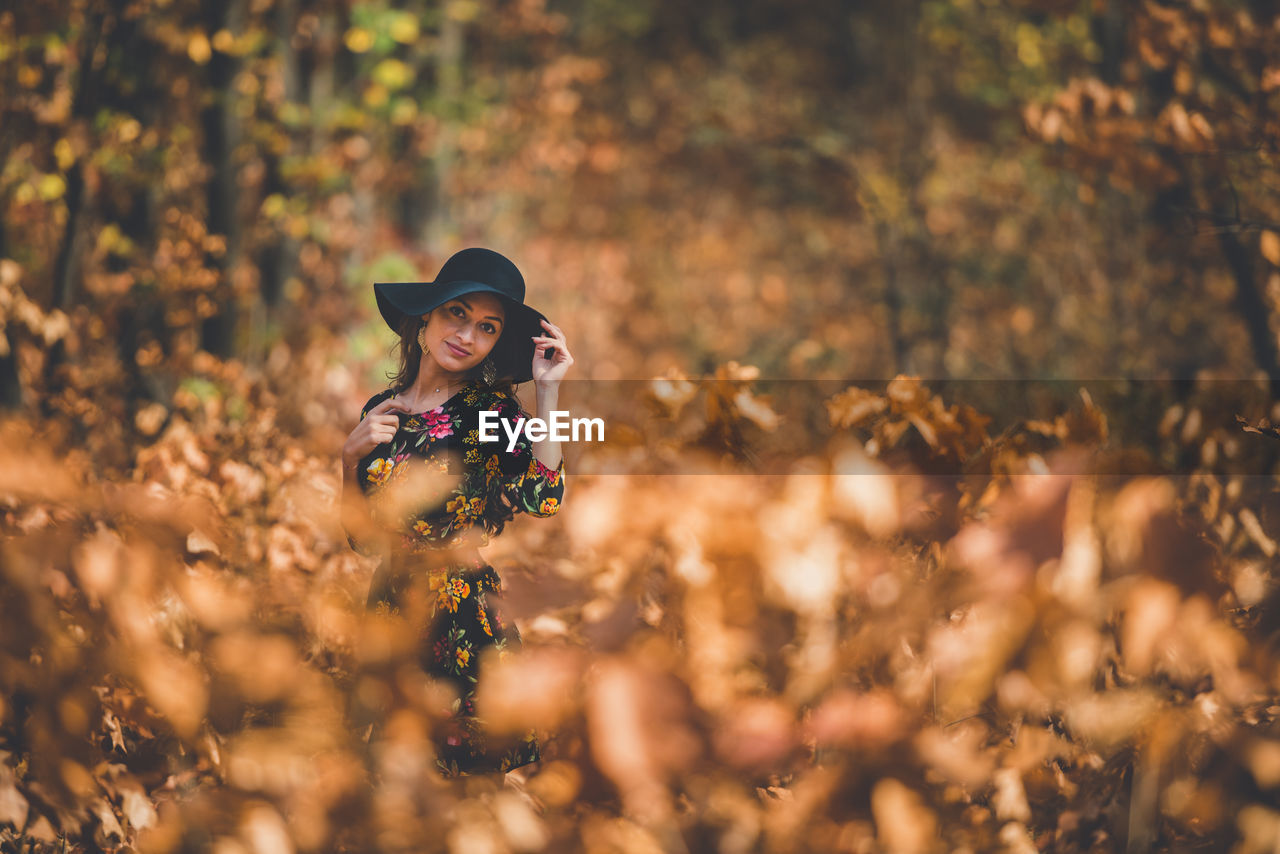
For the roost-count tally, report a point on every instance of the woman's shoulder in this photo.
(492, 398)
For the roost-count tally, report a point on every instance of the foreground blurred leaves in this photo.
(1028, 652)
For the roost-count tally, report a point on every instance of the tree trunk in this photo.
(276, 260)
(221, 133)
(65, 266)
(889, 260)
(439, 224)
(1252, 306)
(83, 102)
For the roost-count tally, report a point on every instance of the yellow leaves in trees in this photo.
(375, 96)
(392, 74)
(64, 154)
(358, 40)
(403, 27)
(1269, 244)
(51, 187)
(199, 49)
(462, 10)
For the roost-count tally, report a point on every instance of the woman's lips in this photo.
(457, 351)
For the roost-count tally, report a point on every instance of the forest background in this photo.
(970, 607)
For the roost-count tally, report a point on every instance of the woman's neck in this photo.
(433, 379)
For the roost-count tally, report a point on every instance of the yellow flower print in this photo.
(549, 506)
(472, 438)
(450, 591)
(553, 477)
(465, 508)
(463, 656)
(422, 527)
(379, 470)
(484, 622)
(473, 456)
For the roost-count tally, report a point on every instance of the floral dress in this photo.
(436, 541)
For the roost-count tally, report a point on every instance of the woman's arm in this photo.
(546, 451)
(551, 359)
(355, 511)
(529, 483)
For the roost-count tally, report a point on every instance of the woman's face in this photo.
(462, 331)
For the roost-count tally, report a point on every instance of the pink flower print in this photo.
(438, 423)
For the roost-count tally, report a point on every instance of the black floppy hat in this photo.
(468, 271)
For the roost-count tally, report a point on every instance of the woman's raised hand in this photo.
(549, 372)
(378, 427)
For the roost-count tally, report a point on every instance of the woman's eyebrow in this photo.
(487, 317)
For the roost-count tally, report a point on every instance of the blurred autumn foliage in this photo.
(951, 618)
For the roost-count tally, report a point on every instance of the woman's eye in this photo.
(488, 328)
(457, 312)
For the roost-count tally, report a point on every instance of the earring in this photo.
(422, 339)
(489, 371)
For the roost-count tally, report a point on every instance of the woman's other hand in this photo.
(547, 373)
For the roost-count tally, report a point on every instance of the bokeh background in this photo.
(969, 305)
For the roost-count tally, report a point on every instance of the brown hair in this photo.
(410, 359)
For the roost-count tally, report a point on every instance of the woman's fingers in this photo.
(552, 344)
(561, 350)
(558, 343)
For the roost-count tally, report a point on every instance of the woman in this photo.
(464, 340)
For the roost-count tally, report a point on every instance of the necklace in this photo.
(436, 391)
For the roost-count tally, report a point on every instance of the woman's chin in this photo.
(454, 365)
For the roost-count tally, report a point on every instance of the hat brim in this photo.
(512, 355)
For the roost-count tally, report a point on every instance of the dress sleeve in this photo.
(360, 474)
(529, 486)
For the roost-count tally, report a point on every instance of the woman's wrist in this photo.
(546, 396)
